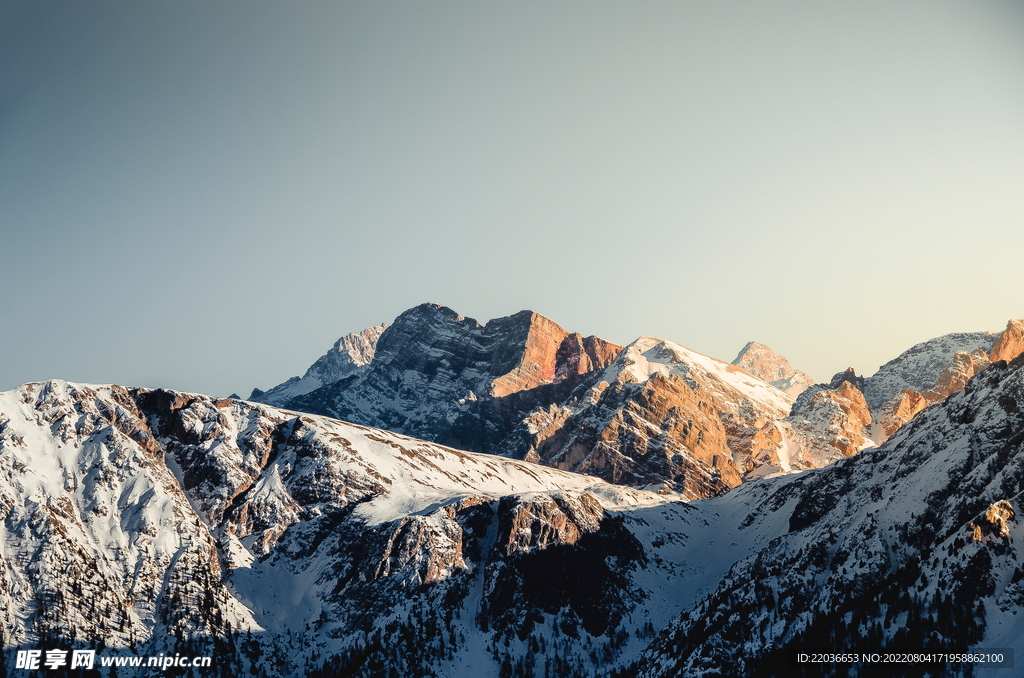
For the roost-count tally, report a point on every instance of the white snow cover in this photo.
(105, 510)
(90, 508)
(919, 366)
(648, 355)
(102, 500)
(424, 475)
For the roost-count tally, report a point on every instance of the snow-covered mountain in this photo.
(654, 414)
(285, 544)
(852, 413)
(915, 544)
(920, 366)
(147, 521)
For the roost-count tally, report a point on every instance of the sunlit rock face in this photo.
(349, 355)
(957, 373)
(443, 377)
(924, 528)
(920, 367)
(766, 364)
(933, 370)
(1010, 343)
(523, 387)
(898, 410)
(833, 421)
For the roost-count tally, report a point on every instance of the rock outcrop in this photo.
(918, 529)
(549, 354)
(956, 374)
(995, 522)
(831, 423)
(662, 416)
(1010, 343)
(898, 410)
(539, 521)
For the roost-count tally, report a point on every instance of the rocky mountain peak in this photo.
(847, 376)
(767, 365)
(1010, 343)
(360, 346)
(507, 355)
(351, 351)
(546, 352)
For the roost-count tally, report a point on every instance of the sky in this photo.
(205, 196)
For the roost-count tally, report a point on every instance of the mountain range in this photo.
(443, 498)
(652, 414)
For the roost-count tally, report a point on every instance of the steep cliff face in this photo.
(831, 423)
(662, 415)
(658, 433)
(956, 374)
(898, 410)
(933, 370)
(1010, 343)
(655, 414)
(433, 368)
(912, 545)
(769, 366)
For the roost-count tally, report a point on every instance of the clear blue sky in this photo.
(206, 195)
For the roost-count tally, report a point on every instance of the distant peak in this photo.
(755, 348)
(767, 365)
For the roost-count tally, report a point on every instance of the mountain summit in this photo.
(653, 414)
(767, 365)
(285, 544)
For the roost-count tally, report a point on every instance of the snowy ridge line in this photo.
(915, 544)
(265, 514)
